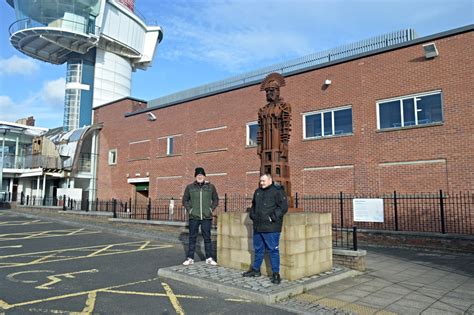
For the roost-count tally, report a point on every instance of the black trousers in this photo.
(206, 235)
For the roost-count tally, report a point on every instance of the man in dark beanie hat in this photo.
(199, 170)
(200, 200)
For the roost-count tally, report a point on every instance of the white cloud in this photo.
(53, 91)
(46, 105)
(17, 65)
(6, 104)
(243, 35)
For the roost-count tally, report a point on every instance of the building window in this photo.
(252, 128)
(170, 146)
(113, 157)
(413, 110)
(326, 123)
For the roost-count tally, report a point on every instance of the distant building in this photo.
(102, 42)
(35, 162)
(393, 113)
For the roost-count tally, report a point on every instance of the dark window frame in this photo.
(409, 109)
(326, 119)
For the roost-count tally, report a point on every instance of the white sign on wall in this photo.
(368, 210)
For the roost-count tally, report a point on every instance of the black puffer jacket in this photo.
(269, 205)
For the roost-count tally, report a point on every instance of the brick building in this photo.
(394, 118)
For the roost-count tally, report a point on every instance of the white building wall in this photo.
(123, 27)
(112, 77)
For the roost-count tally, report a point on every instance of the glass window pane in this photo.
(327, 123)
(313, 126)
(343, 121)
(170, 146)
(390, 116)
(252, 134)
(409, 112)
(429, 109)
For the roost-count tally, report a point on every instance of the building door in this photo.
(15, 189)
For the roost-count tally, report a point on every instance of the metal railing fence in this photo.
(440, 212)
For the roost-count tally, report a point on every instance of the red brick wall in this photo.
(369, 161)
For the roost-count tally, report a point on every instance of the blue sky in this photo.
(206, 41)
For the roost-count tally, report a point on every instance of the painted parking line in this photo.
(43, 234)
(12, 246)
(23, 222)
(92, 296)
(27, 259)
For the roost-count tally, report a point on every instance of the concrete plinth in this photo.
(305, 244)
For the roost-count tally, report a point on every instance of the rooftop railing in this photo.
(30, 161)
(284, 68)
(63, 24)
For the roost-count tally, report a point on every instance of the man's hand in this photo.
(214, 213)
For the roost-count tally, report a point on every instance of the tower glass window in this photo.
(71, 110)
(78, 16)
(74, 71)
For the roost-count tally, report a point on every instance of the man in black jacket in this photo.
(200, 200)
(269, 205)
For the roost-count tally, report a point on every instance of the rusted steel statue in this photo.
(274, 126)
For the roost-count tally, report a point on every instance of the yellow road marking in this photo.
(76, 231)
(50, 311)
(92, 295)
(48, 254)
(4, 305)
(14, 223)
(42, 259)
(85, 248)
(43, 234)
(90, 303)
(35, 234)
(238, 300)
(56, 278)
(145, 245)
(173, 299)
(100, 251)
(12, 246)
(12, 276)
(151, 294)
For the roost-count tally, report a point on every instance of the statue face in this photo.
(273, 94)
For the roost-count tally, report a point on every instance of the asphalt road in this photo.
(54, 268)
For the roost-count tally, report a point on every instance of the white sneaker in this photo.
(211, 261)
(188, 261)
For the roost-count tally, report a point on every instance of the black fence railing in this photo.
(344, 237)
(430, 212)
(437, 212)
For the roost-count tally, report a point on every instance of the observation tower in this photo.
(102, 42)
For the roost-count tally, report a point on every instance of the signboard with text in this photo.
(368, 210)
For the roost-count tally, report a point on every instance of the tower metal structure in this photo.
(102, 42)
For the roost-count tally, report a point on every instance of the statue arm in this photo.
(285, 129)
(286, 123)
(259, 135)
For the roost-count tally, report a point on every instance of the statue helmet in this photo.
(273, 80)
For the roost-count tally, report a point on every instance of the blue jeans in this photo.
(269, 241)
(206, 235)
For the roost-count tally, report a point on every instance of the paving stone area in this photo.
(259, 289)
(308, 307)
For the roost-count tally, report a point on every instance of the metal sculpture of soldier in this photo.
(274, 126)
